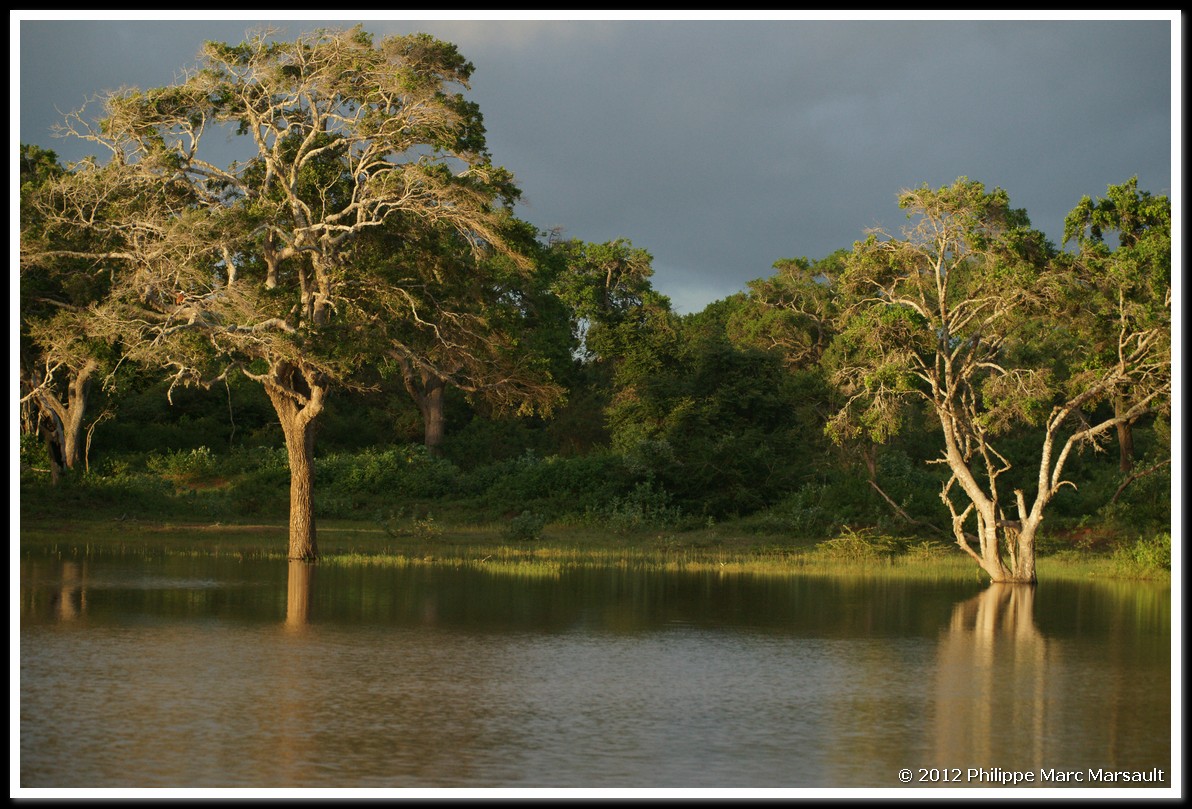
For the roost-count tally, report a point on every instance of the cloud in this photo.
(722, 146)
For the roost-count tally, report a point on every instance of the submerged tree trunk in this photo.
(298, 399)
(1005, 548)
(298, 594)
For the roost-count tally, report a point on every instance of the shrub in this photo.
(396, 523)
(862, 545)
(1144, 557)
(646, 507)
(394, 472)
(182, 463)
(554, 487)
(526, 527)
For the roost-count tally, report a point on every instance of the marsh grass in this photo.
(558, 548)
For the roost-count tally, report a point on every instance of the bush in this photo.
(397, 524)
(183, 463)
(555, 487)
(526, 527)
(646, 507)
(393, 472)
(863, 545)
(1144, 557)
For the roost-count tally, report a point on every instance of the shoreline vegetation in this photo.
(725, 549)
(360, 282)
(544, 514)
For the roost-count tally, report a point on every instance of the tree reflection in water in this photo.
(993, 693)
(298, 588)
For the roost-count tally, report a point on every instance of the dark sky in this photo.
(722, 146)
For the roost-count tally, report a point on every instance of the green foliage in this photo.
(33, 457)
(525, 527)
(646, 507)
(605, 287)
(182, 463)
(1144, 557)
(397, 473)
(480, 441)
(711, 423)
(556, 487)
(861, 545)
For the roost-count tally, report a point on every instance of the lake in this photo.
(213, 672)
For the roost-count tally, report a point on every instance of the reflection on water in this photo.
(298, 593)
(216, 672)
(1010, 697)
(994, 675)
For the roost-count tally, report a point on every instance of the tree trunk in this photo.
(298, 399)
(76, 407)
(427, 389)
(433, 417)
(61, 424)
(48, 426)
(1018, 542)
(300, 449)
(999, 539)
(1024, 563)
(298, 594)
(1125, 436)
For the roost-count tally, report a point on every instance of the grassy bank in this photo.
(400, 505)
(556, 546)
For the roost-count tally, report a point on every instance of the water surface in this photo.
(213, 672)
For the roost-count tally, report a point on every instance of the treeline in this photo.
(356, 305)
(713, 423)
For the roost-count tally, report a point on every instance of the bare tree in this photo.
(971, 313)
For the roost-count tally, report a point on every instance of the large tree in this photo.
(794, 311)
(257, 266)
(971, 312)
(465, 321)
(797, 313)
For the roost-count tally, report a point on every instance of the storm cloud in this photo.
(721, 146)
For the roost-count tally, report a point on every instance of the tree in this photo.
(59, 358)
(255, 268)
(1139, 269)
(970, 312)
(604, 285)
(795, 310)
(465, 321)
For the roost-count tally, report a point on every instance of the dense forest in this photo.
(351, 323)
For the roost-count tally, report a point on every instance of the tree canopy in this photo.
(261, 266)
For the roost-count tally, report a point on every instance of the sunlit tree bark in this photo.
(972, 313)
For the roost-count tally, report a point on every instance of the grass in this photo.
(719, 549)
